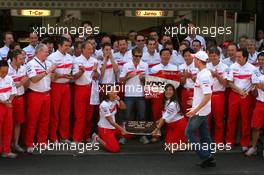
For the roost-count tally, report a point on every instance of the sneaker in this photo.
(210, 162)
(244, 149)
(18, 148)
(66, 141)
(30, 150)
(144, 140)
(94, 138)
(252, 151)
(9, 155)
(122, 141)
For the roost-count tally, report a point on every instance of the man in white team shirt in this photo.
(219, 72)
(231, 53)
(18, 72)
(85, 70)
(7, 94)
(133, 76)
(60, 92)
(194, 36)
(189, 73)
(8, 40)
(33, 42)
(257, 122)
(109, 66)
(163, 66)
(252, 53)
(176, 57)
(39, 71)
(201, 108)
(151, 57)
(240, 98)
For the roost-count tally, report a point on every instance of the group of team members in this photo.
(40, 87)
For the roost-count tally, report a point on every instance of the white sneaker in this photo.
(9, 155)
(30, 150)
(252, 151)
(94, 138)
(66, 141)
(18, 148)
(244, 149)
(144, 140)
(122, 141)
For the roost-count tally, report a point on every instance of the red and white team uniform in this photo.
(176, 58)
(176, 123)
(258, 113)
(197, 37)
(252, 59)
(141, 69)
(7, 88)
(151, 60)
(82, 95)
(218, 101)
(38, 103)
(19, 101)
(3, 52)
(242, 78)
(155, 102)
(187, 90)
(30, 51)
(60, 96)
(228, 61)
(106, 131)
(109, 76)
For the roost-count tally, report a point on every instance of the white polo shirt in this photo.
(176, 58)
(171, 112)
(160, 67)
(17, 76)
(228, 61)
(151, 60)
(259, 78)
(3, 52)
(189, 84)
(107, 109)
(34, 68)
(122, 59)
(64, 65)
(86, 78)
(203, 85)
(222, 70)
(197, 37)
(109, 76)
(30, 51)
(133, 86)
(241, 75)
(252, 59)
(7, 88)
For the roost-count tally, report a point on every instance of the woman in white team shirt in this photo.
(172, 116)
(107, 127)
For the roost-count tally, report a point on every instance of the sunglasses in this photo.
(138, 56)
(140, 40)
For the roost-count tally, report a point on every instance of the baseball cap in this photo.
(201, 55)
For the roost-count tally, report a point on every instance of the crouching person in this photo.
(107, 127)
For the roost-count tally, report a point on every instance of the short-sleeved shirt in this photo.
(259, 78)
(7, 88)
(171, 112)
(17, 76)
(189, 84)
(107, 109)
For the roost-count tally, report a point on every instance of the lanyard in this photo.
(44, 67)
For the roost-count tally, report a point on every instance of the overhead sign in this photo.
(35, 13)
(149, 13)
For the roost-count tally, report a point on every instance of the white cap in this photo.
(201, 55)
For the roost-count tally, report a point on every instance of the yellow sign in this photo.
(35, 12)
(150, 13)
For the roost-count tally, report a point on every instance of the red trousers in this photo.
(156, 107)
(60, 111)
(175, 132)
(186, 95)
(38, 112)
(109, 137)
(244, 106)
(6, 128)
(83, 113)
(19, 109)
(258, 116)
(218, 111)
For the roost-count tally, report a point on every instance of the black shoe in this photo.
(208, 163)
